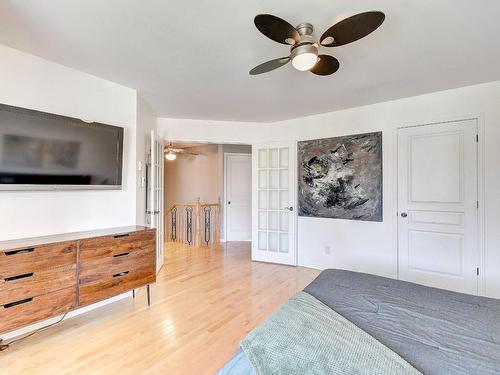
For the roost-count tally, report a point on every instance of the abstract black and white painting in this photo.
(341, 177)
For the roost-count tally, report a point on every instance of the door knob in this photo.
(288, 208)
(404, 214)
(229, 202)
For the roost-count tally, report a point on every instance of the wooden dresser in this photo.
(46, 276)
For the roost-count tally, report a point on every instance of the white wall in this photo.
(146, 121)
(367, 246)
(212, 131)
(371, 247)
(31, 82)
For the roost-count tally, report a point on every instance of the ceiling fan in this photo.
(171, 152)
(304, 48)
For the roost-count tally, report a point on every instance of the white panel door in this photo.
(155, 195)
(437, 205)
(273, 205)
(238, 169)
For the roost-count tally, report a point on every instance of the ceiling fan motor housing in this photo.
(306, 45)
(302, 48)
(305, 28)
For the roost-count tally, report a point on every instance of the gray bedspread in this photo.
(436, 331)
(306, 337)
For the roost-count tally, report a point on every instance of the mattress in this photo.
(436, 331)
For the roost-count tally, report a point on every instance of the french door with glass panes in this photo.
(155, 195)
(273, 202)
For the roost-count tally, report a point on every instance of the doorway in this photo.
(438, 205)
(195, 193)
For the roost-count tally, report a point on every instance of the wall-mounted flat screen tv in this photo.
(42, 151)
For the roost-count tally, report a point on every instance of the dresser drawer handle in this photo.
(22, 251)
(17, 277)
(120, 274)
(121, 235)
(120, 255)
(12, 304)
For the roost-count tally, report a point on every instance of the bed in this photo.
(420, 329)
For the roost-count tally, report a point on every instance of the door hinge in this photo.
(477, 204)
(477, 138)
(477, 271)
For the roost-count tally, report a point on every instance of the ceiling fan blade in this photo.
(269, 65)
(352, 29)
(326, 65)
(277, 29)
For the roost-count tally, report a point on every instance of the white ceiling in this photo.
(190, 59)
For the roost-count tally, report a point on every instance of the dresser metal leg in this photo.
(133, 293)
(149, 294)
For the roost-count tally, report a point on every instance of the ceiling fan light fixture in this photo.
(304, 57)
(304, 46)
(170, 156)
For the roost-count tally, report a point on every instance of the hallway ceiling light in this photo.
(170, 156)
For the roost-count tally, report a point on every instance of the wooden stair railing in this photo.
(194, 224)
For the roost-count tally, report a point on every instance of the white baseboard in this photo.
(312, 265)
(71, 314)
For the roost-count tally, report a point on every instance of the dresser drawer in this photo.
(96, 269)
(28, 310)
(117, 244)
(37, 258)
(114, 284)
(20, 286)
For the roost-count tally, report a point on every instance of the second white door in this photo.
(438, 219)
(238, 192)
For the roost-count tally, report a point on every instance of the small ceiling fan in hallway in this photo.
(304, 48)
(171, 152)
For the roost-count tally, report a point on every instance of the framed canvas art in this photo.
(341, 177)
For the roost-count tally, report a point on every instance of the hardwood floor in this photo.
(204, 302)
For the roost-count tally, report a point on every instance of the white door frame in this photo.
(224, 206)
(479, 118)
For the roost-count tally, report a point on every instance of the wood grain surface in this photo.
(205, 301)
(36, 258)
(38, 308)
(40, 282)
